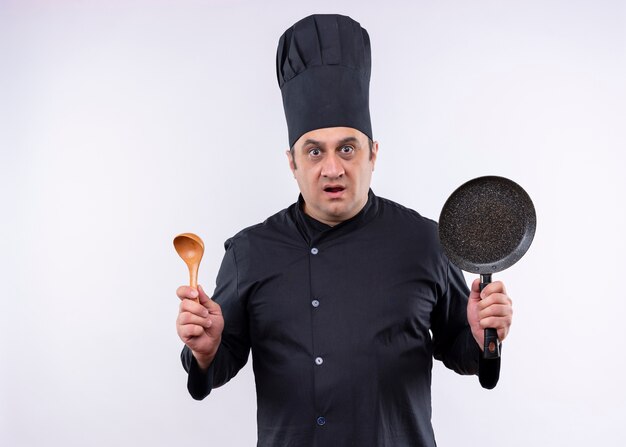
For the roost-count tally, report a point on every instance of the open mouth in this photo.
(333, 189)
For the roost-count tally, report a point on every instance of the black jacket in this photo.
(343, 323)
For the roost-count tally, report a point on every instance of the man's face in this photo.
(333, 168)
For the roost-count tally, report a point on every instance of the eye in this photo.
(347, 150)
(315, 152)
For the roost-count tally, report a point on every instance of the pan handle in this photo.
(492, 344)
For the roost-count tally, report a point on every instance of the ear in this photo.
(292, 162)
(374, 154)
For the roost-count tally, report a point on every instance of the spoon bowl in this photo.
(190, 248)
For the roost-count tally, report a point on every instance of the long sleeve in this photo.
(452, 338)
(454, 343)
(234, 349)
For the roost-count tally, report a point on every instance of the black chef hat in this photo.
(323, 64)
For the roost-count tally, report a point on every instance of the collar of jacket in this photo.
(315, 232)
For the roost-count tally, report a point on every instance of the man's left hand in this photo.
(491, 308)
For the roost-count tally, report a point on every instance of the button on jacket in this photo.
(343, 323)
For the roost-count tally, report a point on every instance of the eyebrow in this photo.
(341, 142)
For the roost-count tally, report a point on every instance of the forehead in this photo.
(331, 136)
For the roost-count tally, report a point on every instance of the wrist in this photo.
(204, 360)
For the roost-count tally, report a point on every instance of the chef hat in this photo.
(323, 65)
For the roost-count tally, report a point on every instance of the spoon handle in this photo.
(193, 278)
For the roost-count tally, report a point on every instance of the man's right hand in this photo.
(199, 325)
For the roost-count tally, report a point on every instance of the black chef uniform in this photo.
(343, 322)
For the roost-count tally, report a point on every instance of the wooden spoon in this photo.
(191, 248)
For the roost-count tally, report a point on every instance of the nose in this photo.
(332, 166)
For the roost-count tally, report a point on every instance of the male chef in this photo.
(344, 298)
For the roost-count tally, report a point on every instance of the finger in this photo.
(475, 291)
(495, 298)
(476, 285)
(502, 333)
(195, 308)
(496, 323)
(496, 310)
(190, 331)
(186, 292)
(204, 298)
(189, 318)
(493, 287)
(206, 301)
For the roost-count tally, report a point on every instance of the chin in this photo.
(339, 214)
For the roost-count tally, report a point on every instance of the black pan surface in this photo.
(487, 224)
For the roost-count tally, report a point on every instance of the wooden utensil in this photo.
(191, 248)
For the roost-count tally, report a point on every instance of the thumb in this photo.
(204, 298)
(206, 301)
(475, 292)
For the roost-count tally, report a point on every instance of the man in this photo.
(337, 295)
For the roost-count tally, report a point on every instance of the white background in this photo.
(124, 123)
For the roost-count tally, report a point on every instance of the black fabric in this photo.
(323, 66)
(381, 284)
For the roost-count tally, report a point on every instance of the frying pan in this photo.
(486, 226)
